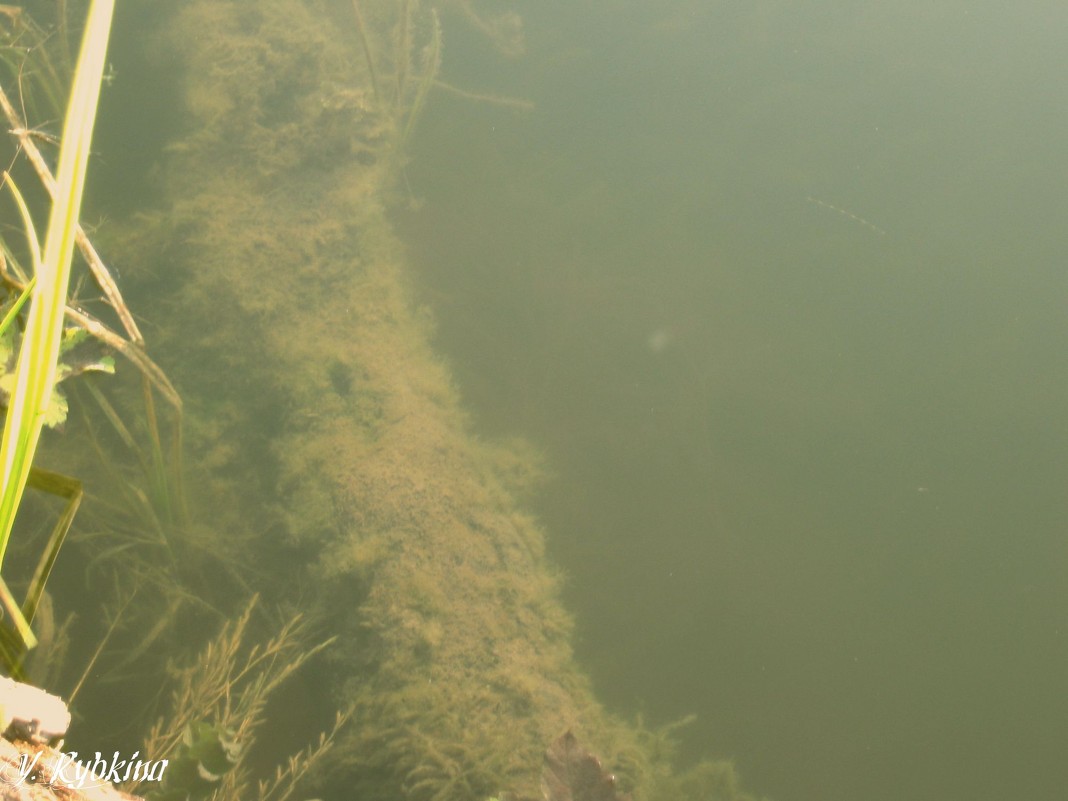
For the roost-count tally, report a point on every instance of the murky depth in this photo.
(780, 290)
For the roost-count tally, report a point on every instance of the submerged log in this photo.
(290, 297)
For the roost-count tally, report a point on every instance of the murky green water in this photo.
(780, 289)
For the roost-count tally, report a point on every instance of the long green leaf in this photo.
(35, 252)
(27, 221)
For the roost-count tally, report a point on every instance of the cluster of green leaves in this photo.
(207, 753)
(78, 353)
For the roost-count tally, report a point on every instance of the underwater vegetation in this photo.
(453, 646)
(47, 337)
(336, 470)
(217, 707)
(29, 396)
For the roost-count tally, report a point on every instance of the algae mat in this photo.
(287, 289)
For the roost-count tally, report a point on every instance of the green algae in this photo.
(454, 647)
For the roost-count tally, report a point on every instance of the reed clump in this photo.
(31, 387)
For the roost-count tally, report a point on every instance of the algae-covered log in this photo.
(289, 292)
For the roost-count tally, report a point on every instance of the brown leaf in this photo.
(571, 773)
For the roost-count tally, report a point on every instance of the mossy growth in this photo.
(454, 647)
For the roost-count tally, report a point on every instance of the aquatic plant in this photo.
(41, 88)
(217, 708)
(37, 367)
(408, 55)
(38, 63)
